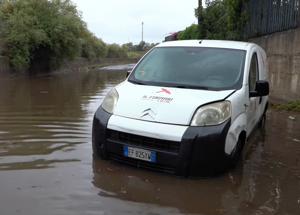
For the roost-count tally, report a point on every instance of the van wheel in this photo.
(236, 154)
(262, 121)
(99, 151)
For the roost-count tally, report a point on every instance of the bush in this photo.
(189, 33)
(215, 20)
(222, 19)
(116, 51)
(92, 47)
(236, 18)
(44, 33)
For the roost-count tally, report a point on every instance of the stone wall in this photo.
(283, 50)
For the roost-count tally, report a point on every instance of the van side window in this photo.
(253, 73)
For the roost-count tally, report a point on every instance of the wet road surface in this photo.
(46, 164)
(126, 67)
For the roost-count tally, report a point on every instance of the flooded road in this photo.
(46, 164)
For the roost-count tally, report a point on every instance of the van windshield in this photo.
(191, 67)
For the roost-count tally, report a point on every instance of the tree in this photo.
(43, 33)
(221, 19)
(191, 32)
(116, 51)
(200, 19)
(215, 20)
(92, 47)
(237, 18)
(128, 46)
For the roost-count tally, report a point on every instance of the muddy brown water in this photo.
(46, 164)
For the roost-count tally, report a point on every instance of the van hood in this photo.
(163, 104)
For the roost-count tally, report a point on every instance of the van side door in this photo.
(261, 76)
(253, 102)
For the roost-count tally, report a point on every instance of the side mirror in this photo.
(128, 73)
(261, 89)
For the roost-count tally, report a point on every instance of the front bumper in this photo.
(200, 152)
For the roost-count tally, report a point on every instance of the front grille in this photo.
(136, 140)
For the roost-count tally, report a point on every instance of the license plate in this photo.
(140, 154)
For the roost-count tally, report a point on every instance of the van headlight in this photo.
(110, 101)
(212, 114)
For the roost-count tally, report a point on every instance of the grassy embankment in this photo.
(290, 106)
(135, 54)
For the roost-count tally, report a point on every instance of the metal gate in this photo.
(269, 16)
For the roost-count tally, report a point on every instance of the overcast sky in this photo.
(119, 21)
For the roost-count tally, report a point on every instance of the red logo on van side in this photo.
(164, 91)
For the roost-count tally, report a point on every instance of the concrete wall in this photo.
(283, 51)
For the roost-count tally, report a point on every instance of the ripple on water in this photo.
(38, 129)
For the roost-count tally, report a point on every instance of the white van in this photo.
(187, 107)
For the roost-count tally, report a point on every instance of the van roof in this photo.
(208, 43)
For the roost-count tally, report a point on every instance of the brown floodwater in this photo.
(46, 164)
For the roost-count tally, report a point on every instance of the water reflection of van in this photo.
(187, 107)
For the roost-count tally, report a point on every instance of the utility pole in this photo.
(142, 31)
(200, 18)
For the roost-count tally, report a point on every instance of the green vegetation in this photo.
(44, 33)
(92, 47)
(189, 33)
(236, 18)
(135, 54)
(290, 106)
(40, 35)
(142, 46)
(128, 50)
(116, 51)
(221, 19)
(137, 51)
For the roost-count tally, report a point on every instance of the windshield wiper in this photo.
(171, 85)
(191, 87)
(137, 82)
